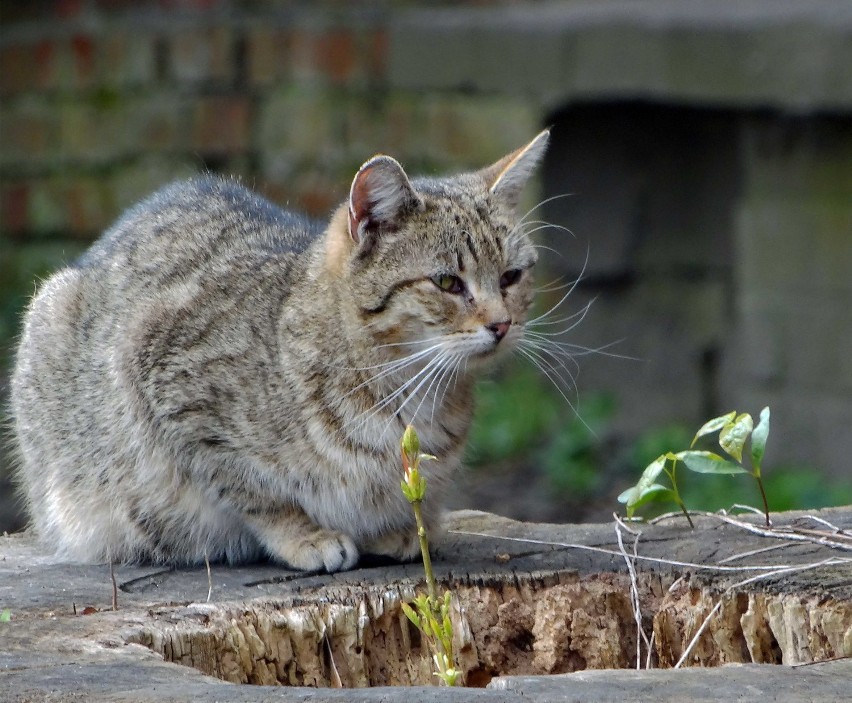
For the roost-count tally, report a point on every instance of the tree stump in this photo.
(532, 604)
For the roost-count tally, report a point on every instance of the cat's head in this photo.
(441, 266)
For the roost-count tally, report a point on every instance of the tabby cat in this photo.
(217, 377)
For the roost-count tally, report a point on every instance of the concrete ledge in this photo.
(786, 54)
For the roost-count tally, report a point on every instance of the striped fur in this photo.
(219, 377)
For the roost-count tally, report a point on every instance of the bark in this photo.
(530, 601)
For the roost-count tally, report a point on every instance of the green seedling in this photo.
(735, 430)
(430, 613)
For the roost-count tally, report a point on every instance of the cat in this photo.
(218, 378)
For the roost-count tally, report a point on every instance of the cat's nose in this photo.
(499, 329)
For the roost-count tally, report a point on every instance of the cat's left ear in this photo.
(506, 178)
(380, 197)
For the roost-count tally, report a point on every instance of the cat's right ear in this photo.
(380, 197)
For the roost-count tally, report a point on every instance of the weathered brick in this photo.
(295, 126)
(29, 67)
(129, 184)
(46, 208)
(202, 55)
(92, 133)
(160, 122)
(267, 55)
(29, 131)
(127, 60)
(473, 131)
(88, 206)
(339, 55)
(83, 49)
(221, 124)
(14, 204)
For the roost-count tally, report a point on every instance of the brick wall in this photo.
(102, 101)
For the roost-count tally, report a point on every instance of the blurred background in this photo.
(701, 152)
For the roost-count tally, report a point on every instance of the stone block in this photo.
(798, 156)
(795, 244)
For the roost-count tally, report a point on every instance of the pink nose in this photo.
(500, 329)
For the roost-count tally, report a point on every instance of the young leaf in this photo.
(709, 463)
(714, 425)
(646, 481)
(411, 615)
(758, 438)
(655, 492)
(734, 435)
(6, 615)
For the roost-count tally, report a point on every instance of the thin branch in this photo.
(752, 552)
(634, 587)
(656, 560)
(209, 577)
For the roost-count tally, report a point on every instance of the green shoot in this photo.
(734, 431)
(430, 614)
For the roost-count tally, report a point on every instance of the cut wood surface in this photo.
(532, 602)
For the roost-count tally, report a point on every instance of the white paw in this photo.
(323, 550)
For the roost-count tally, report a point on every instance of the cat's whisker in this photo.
(436, 379)
(542, 203)
(387, 400)
(574, 319)
(409, 344)
(392, 367)
(552, 286)
(540, 225)
(559, 356)
(440, 360)
(451, 367)
(551, 249)
(580, 350)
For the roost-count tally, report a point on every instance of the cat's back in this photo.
(191, 257)
(196, 225)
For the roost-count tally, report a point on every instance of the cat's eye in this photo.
(449, 283)
(510, 277)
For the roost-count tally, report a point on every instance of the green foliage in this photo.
(571, 455)
(6, 615)
(734, 431)
(499, 430)
(521, 415)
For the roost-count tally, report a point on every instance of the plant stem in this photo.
(684, 511)
(763, 496)
(424, 552)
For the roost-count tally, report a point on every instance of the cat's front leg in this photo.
(290, 536)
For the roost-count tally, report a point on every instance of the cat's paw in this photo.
(402, 546)
(322, 550)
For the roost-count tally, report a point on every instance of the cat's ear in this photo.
(507, 178)
(380, 197)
